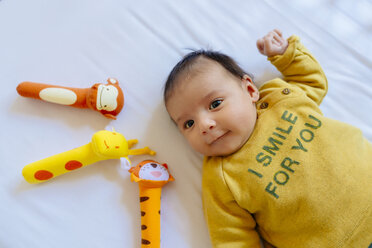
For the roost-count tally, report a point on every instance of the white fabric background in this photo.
(78, 43)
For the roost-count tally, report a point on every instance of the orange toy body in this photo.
(151, 176)
(108, 99)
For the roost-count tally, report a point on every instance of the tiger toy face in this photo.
(151, 170)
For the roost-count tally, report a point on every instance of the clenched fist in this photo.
(272, 44)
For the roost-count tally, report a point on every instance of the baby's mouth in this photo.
(218, 138)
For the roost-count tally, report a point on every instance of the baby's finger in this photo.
(260, 45)
(268, 43)
(276, 42)
(278, 32)
(269, 36)
(278, 39)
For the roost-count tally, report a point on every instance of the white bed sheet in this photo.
(77, 43)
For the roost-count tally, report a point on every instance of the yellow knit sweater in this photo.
(301, 180)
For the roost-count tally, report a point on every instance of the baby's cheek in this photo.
(193, 142)
(197, 144)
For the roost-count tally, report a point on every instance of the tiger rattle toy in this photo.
(151, 176)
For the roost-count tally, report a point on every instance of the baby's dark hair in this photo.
(191, 58)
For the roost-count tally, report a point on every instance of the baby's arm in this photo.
(296, 64)
(230, 226)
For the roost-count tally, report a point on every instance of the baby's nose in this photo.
(208, 126)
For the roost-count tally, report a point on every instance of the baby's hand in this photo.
(272, 44)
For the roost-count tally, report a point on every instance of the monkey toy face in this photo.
(108, 98)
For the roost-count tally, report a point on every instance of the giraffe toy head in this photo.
(151, 173)
(110, 144)
(108, 99)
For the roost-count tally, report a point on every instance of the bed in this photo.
(78, 43)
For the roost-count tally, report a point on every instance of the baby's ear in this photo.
(251, 88)
(247, 78)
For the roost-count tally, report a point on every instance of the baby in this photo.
(275, 168)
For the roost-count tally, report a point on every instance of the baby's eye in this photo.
(189, 124)
(215, 104)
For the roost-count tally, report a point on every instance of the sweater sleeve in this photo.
(230, 226)
(300, 68)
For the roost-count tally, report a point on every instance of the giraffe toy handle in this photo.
(104, 145)
(108, 99)
(151, 176)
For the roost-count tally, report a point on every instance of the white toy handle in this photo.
(125, 163)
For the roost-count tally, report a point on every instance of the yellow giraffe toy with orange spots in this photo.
(151, 176)
(104, 145)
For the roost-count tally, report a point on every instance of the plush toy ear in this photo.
(110, 116)
(112, 81)
(131, 169)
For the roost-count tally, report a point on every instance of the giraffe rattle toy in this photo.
(104, 145)
(108, 99)
(151, 176)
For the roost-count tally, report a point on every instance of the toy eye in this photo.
(189, 124)
(215, 104)
(107, 89)
(154, 165)
(105, 106)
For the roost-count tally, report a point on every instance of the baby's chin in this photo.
(223, 151)
(226, 148)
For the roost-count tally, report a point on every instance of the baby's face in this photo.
(214, 110)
